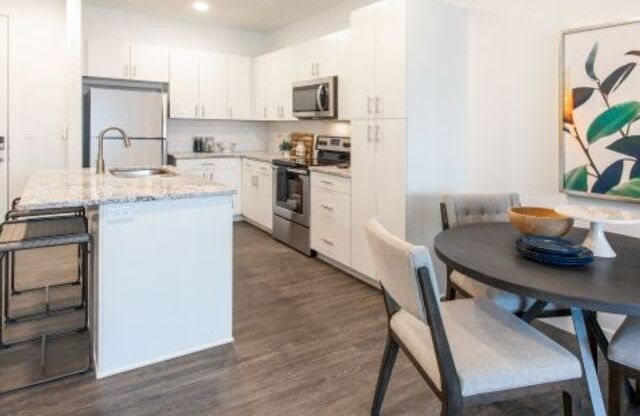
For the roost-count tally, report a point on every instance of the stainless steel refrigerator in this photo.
(140, 112)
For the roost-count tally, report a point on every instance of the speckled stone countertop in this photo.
(253, 155)
(83, 187)
(332, 170)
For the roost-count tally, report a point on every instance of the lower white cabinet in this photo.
(257, 192)
(331, 217)
(227, 171)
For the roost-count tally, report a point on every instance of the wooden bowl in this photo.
(542, 222)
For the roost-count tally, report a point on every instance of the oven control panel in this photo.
(333, 143)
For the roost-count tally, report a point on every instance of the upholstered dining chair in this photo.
(624, 362)
(469, 351)
(467, 209)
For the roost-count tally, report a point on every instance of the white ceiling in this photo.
(258, 15)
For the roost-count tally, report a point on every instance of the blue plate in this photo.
(550, 245)
(582, 258)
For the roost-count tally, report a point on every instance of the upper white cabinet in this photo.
(212, 74)
(208, 85)
(261, 87)
(318, 57)
(239, 87)
(274, 74)
(344, 74)
(184, 87)
(118, 59)
(379, 59)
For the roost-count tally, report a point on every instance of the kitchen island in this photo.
(162, 256)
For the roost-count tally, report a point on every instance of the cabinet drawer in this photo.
(331, 207)
(210, 163)
(331, 182)
(332, 241)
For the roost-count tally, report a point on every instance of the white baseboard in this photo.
(349, 271)
(102, 374)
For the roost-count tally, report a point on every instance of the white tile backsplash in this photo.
(249, 135)
(277, 129)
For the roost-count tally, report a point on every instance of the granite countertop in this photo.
(332, 170)
(83, 187)
(253, 155)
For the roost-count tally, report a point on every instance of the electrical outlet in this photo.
(120, 213)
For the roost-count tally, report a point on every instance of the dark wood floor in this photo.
(308, 341)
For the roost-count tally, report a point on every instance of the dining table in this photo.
(487, 253)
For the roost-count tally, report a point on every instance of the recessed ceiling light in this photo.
(200, 6)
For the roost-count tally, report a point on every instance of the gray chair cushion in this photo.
(20, 235)
(492, 349)
(625, 345)
(465, 209)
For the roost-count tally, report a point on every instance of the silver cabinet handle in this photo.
(327, 207)
(369, 105)
(196, 107)
(327, 182)
(202, 112)
(208, 164)
(133, 72)
(327, 242)
(230, 112)
(317, 69)
(378, 133)
(313, 69)
(264, 112)
(124, 70)
(377, 106)
(369, 132)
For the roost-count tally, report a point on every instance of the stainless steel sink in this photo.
(141, 172)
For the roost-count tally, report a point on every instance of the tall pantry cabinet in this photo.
(397, 59)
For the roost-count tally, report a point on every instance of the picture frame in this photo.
(599, 113)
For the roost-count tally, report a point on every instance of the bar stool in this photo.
(14, 215)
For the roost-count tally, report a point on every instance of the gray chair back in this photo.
(467, 208)
(397, 262)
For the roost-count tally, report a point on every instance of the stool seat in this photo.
(21, 235)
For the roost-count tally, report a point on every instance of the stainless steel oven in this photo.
(316, 99)
(291, 194)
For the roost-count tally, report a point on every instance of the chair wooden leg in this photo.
(451, 291)
(567, 404)
(636, 396)
(616, 378)
(593, 345)
(386, 368)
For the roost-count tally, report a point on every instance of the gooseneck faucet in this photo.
(100, 162)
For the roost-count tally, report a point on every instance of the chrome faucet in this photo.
(127, 143)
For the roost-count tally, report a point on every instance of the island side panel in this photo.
(164, 281)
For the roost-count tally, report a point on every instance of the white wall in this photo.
(37, 44)
(330, 20)
(513, 69)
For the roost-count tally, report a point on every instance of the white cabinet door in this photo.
(274, 85)
(108, 58)
(232, 178)
(318, 57)
(183, 88)
(212, 76)
(239, 87)
(260, 88)
(149, 62)
(287, 70)
(249, 202)
(390, 97)
(363, 60)
(265, 195)
(390, 174)
(344, 74)
(363, 194)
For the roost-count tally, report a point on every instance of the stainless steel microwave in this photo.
(316, 99)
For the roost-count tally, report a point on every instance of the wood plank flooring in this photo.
(308, 341)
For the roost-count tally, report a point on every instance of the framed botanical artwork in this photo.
(600, 120)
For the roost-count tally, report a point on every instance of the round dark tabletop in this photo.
(487, 253)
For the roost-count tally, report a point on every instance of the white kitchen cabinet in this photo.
(227, 171)
(281, 74)
(257, 192)
(108, 57)
(112, 58)
(378, 183)
(149, 62)
(379, 59)
(260, 87)
(239, 87)
(344, 74)
(318, 57)
(212, 78)
(331, 217)
(183, 84)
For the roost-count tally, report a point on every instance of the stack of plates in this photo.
(554, 251)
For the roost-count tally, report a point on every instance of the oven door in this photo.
(291, 194)
(315, 99)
